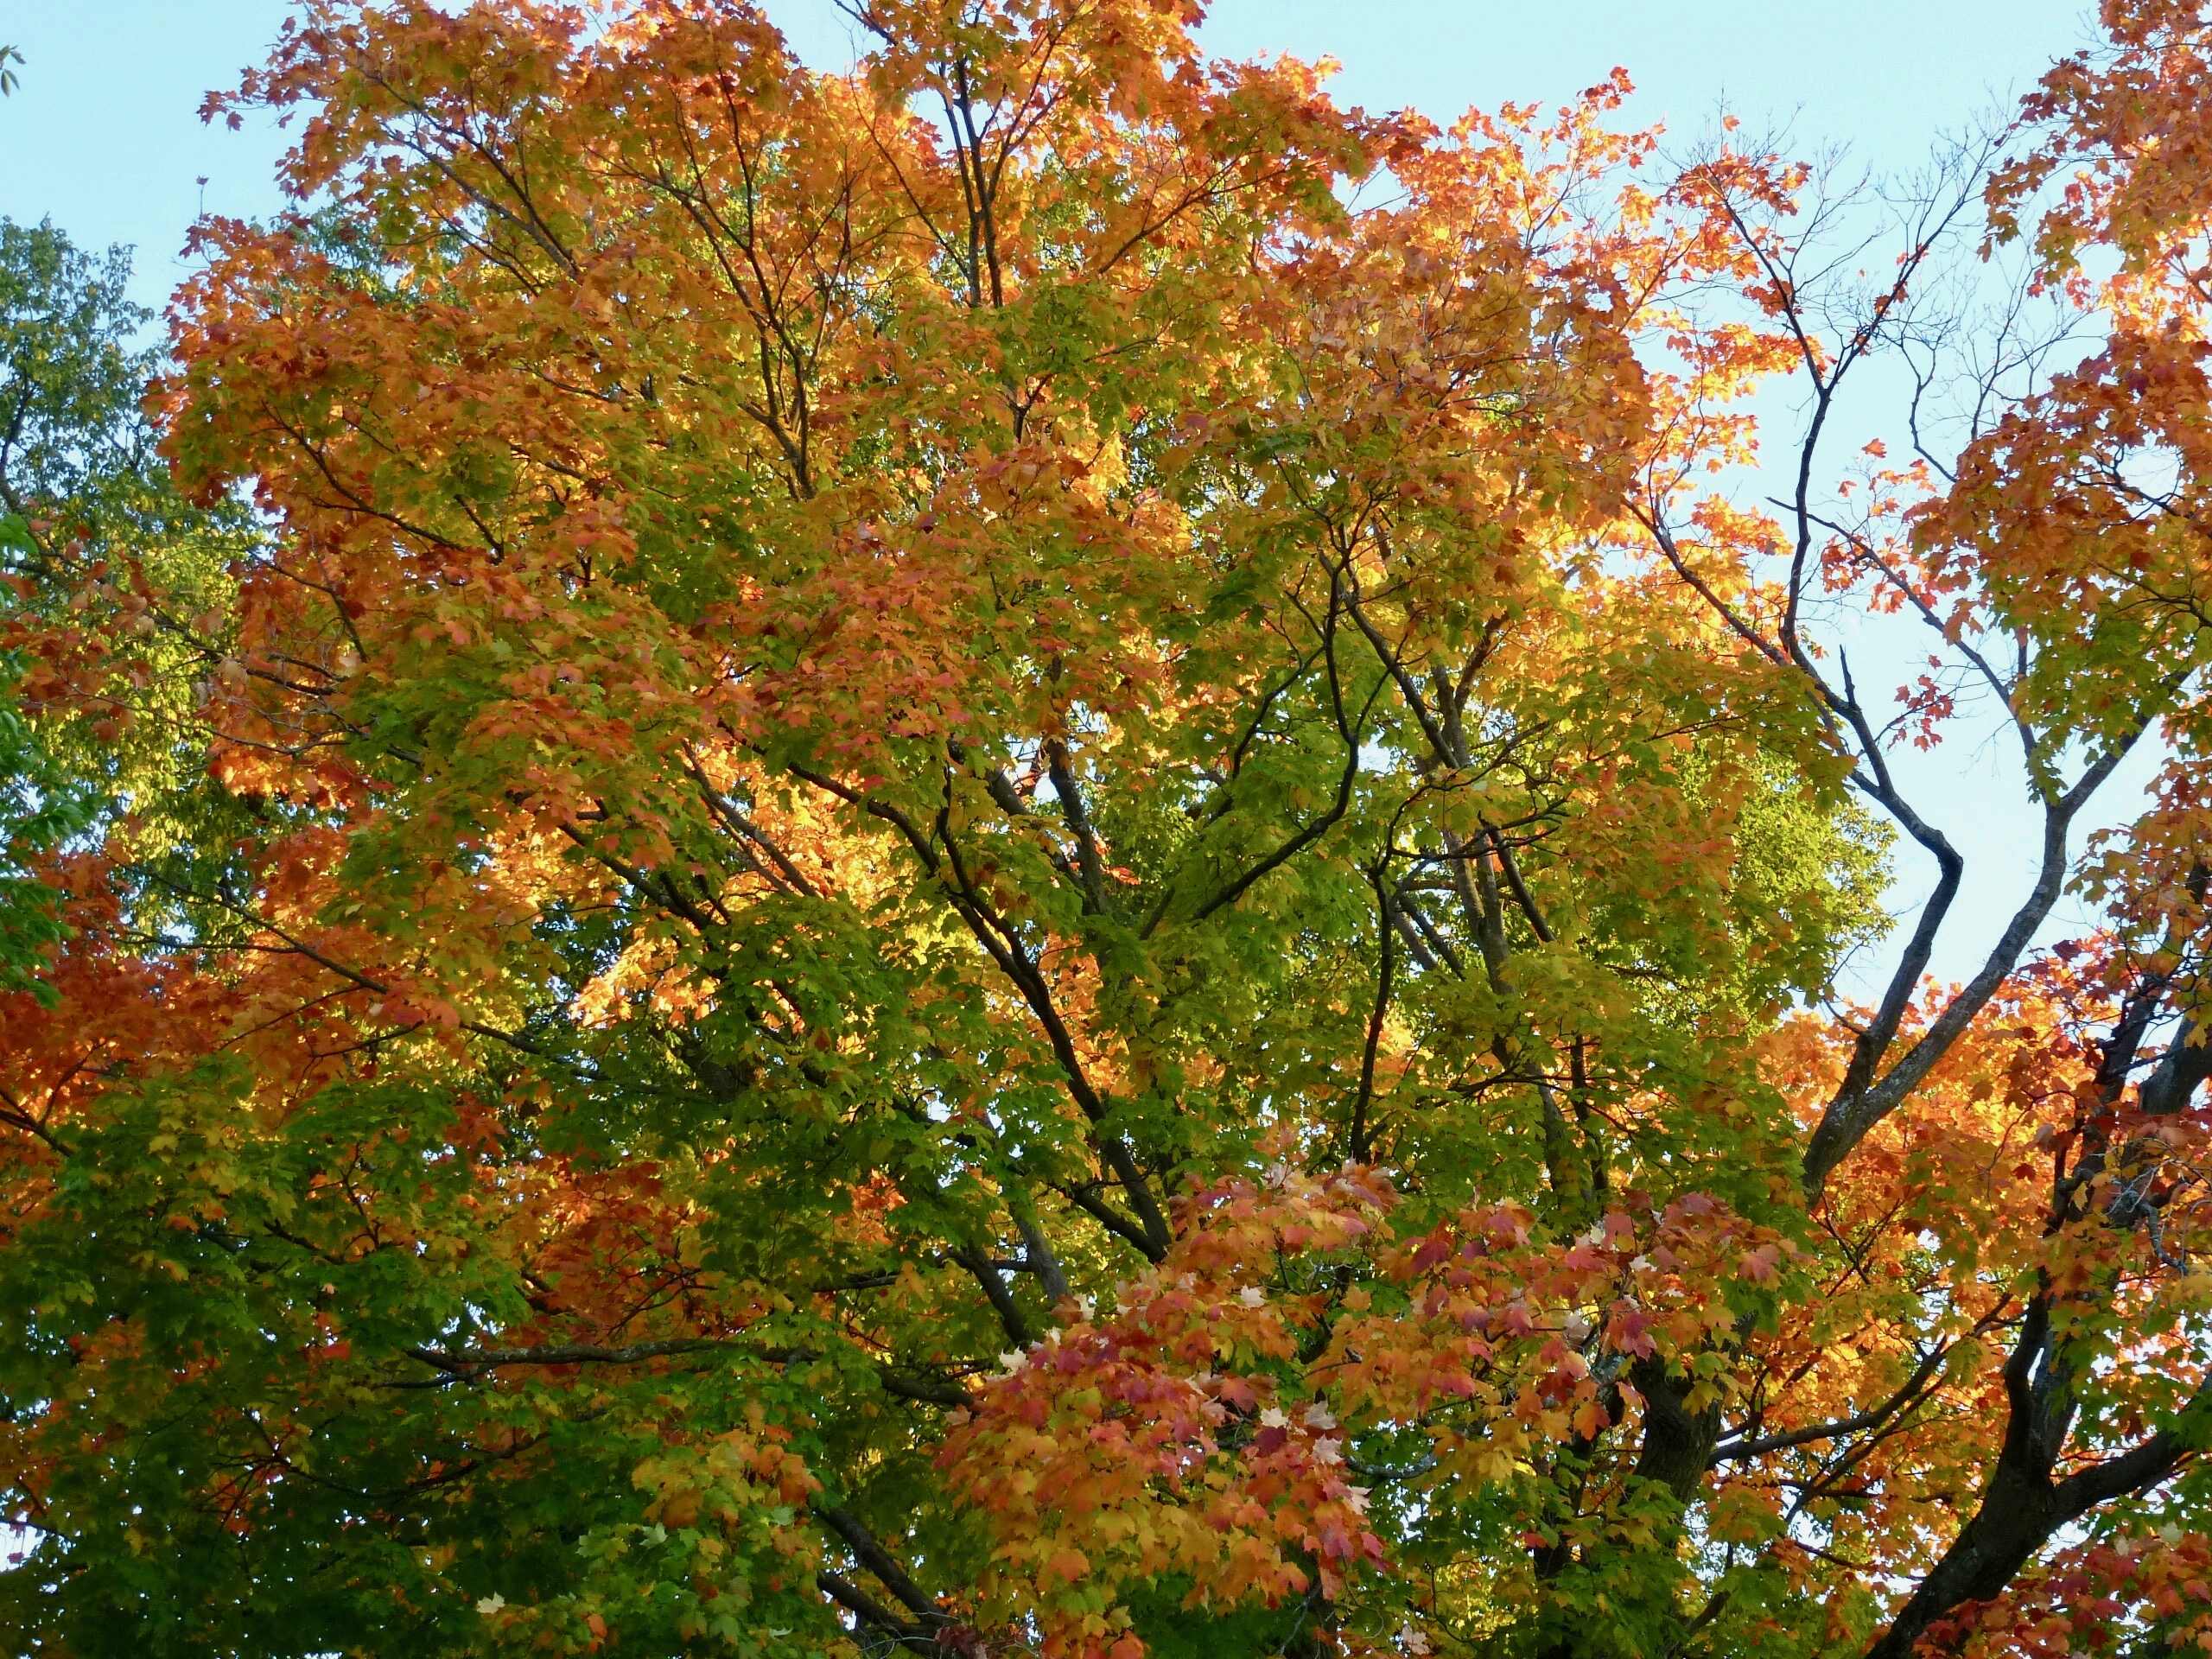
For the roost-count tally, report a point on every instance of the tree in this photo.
(947, 868)
(79, 484)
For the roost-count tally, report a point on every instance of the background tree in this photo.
(943, 870)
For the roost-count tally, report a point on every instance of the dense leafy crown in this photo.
(1031, 853)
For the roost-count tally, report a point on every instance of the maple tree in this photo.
(943, 859)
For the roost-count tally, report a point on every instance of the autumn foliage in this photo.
(1044, 852)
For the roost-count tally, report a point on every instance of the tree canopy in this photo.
(1043, 851)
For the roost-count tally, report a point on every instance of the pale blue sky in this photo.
(102, 137)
